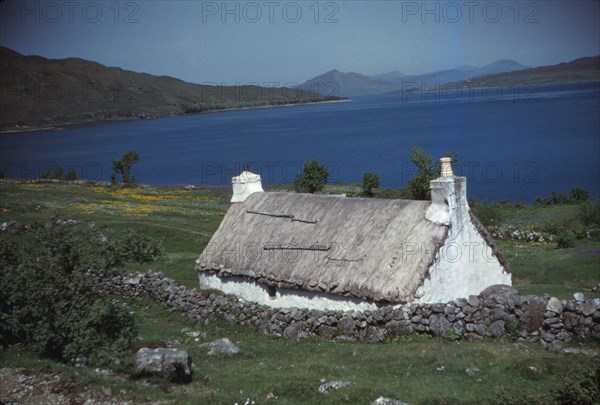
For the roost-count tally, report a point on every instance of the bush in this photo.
(589, 213)
(577, 196)
(53, 173)
(418, 185)
(488, 214)
(312, 179)
(565, 241)
(71, 175)
(49, 297)
(370, 181)
(124, 167)
(581, 387)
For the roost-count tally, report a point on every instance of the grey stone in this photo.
(438, 325)
(397, 328)
(327, 331)
(471, 371)
(497, 329)
(578, 297)
(554, 305)
(480, 329)
(387, 401)
(459, 327)
(461, 302)
(588, 308)
(295, 331)
(171, 362)
(375, 334)
(346, 325)
(510, 322)
(221, 346)
(327, 387)
(571, 320)
(564, 336)
(550, 321)
(498, 290)
(473, 301)
(554, 346)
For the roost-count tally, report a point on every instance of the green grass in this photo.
(184, 221)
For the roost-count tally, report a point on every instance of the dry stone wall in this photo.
(497, 312)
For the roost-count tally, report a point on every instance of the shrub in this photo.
(71, 175)
(370, 181)
(427, 170)
(49, 297)
(581, 387)
(565, 241)
(124, 167)
(488, 214)
(577, 196)
(589, 213)
(53, 173)
(312, 179)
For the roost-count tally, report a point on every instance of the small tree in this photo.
(71, 175)
(124, 166)
(370, 181)
(579, 195)
(53, 173)
(418, 186)
(312, 179)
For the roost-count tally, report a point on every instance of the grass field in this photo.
(274, 370)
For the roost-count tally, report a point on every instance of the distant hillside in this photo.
(355, 84)
(578, 70)
(433, 79)
(341, 84)
(38, 92)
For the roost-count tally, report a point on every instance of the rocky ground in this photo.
(19, 386)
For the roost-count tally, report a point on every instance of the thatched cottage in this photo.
(330, 252)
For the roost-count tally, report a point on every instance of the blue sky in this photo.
(292, 41)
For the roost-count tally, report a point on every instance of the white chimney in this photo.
(245, 184)
(448, 196)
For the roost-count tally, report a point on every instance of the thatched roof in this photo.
(378, 250)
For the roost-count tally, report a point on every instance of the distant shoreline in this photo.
(87, 124)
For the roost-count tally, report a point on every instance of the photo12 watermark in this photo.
(271, 172)
(453, 12)
(527, 172)
(252, 12)
(69, 170)
(72, 12)
(68, 92)
(466, 91)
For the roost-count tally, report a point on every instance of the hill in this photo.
(338, 83)
(38, 92)
(578, 70)
(342, 84)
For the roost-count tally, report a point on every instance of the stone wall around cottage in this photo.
(494, 314)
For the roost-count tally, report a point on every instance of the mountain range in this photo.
(578, 70)
(351, 84)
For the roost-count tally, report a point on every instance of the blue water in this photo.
(513, 145)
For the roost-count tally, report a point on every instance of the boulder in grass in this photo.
(173, 363)
(220, 347)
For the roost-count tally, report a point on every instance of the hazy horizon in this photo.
(293, 41)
